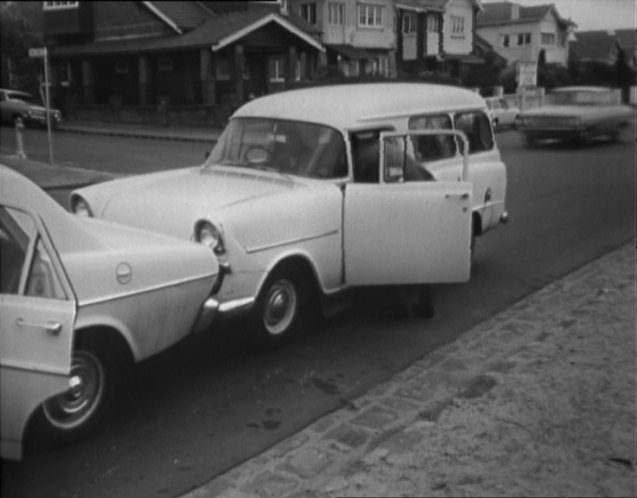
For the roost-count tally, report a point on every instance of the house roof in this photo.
(350, 52)
(215, 32)
(185, 15)
(593, 45)
(501, 13)
(424, 5)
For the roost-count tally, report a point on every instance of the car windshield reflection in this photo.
(281, 146)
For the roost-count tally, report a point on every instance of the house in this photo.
(526, 34)
(604, 57)
(127, 60)
(359, 36)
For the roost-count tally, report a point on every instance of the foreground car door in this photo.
(37, 313)
(407, 233)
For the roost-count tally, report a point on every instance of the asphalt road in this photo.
(209, 403)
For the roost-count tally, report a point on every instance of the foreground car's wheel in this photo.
(78, 410)
(281, 307)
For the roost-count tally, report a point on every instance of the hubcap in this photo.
(76, 405)
(279, 307)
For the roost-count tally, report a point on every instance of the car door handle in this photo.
(463, 197)
(52, 328)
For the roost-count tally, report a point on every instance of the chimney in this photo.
(284, 7)
(515, 11)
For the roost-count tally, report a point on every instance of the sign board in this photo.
(527, 74)
(37, 52)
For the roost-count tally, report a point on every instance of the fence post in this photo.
(19, 126)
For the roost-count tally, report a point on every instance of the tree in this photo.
(20, 30)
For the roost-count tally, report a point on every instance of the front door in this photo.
(37, 314)
(400, 227)
(407, 233)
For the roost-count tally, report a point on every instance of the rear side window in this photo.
(476, 126)
(431, 148)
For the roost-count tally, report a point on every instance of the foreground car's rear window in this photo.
(283, 146)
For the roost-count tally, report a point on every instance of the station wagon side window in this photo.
(432, 147)
(476, 125)
(24, 257)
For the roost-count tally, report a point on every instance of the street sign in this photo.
(37, 52)
(526, 73)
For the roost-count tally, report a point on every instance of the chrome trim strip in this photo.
(230, 306)
(29, 367)
(145, 290)
(251, 250)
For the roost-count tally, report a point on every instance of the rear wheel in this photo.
(75, 412)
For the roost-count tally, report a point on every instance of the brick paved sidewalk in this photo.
(539, 400)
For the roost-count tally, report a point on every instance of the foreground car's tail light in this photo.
(81, 208)
(208, 235)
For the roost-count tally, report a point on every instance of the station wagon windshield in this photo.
(282, 146)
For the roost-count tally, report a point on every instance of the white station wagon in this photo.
(310, 192)
(80, 300)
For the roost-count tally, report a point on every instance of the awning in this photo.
(350, 52)
(464, 58)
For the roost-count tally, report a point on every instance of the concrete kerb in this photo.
(181, 134)
(414, 398)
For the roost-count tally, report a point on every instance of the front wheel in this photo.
(73, 413)
(281, 307)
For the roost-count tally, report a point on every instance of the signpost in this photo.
(41, 52)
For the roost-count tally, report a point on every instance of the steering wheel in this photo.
(257, 154)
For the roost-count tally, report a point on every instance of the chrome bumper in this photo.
(207, 315)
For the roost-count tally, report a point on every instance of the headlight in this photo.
(81, 208)
(208, 235)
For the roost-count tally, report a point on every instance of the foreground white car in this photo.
(310, 192)
(79, 300)
(576, 113)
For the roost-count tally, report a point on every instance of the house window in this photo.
(433, 23)
(277, 69)
(370, 16)
(506, 40)
(165, 63)
(409, 23)
(524, 38)
(562, 39)
(457, 25)
(60, 5)
(548, 38)
(336, 13)
(121, 66)
(308, 12)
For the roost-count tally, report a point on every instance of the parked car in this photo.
(503, 114)
(575, 113)
(15, 104)
(79, 300)
(313, 191)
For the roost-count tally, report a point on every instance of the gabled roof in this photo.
(626, 38)
(185, 15)
(593, 46)
(501, 13)
(215, 32)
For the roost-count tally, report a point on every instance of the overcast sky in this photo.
(591, 14)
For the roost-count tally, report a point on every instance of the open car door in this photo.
(37, 315)
(404, 230)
